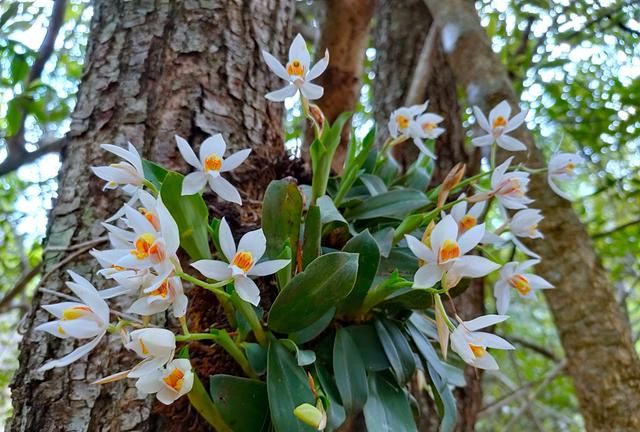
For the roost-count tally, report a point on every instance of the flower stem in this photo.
(152, 187)
(250, 315)
(413, 222)
(214, 288)
(201, 401)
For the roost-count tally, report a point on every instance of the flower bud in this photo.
(317, 115)
(313, 416)
(451, 180)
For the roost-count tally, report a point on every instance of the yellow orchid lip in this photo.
(448, 251)
(521, 284)
(243, 260)
(175, 379)
(295, 67)
(213, 162)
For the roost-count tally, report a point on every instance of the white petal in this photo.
(424, 149)
(73, 355)
(492, 341)
(247, 290)
(132, 158)
(168, 227)
(81, 328)
(227, 244)
(143, 307)
(187, 153)
(459, 210)
(477, 209)
(446, 229)
(482, 120)
(416, 110)
(268, 267)
(89, 296)
(234, 160)
(216, 270)
(498, 173)
(53, 328)
(116, 175)
(311, 91)
(419, 249)
(194, 183)
(319, 67)
(502, 293)
(474, 266)
(554, 187)
(115, 291)
(537, 282)
(482, 141)
(57, 309)
(486, 362)
(471, 238)
(484, 321)
(180, 305)
(525, 249)
(516, 121)
(225, 190)
(460, 344)
(213, 145)
(298, 51)
(275, 66)
(138, 222)
(502, 109)
(510, 143)
(281, 94)
(150, 383)
(427, 276)
(167, 396)
(254, 242)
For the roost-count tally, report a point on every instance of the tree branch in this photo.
(14, 161)
(20, 285)
(418, 88)
(616, 229)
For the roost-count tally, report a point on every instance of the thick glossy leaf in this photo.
(303, 357)
(368, 344)
(281, 215)
(200, 400)
(242, 402)
(288, 387)
(329, 215)
(154, 173)
(384, 238)
(312, 236)
(336, 414)
(368, 259)
(310, 294)
(445, 401)
(397, 349)
(387, 409)
(426, 350)
(374, 184)
(314, 330)
(407, 298)
(257, 356)
(351, 377)
(190, 213)
(393, 204)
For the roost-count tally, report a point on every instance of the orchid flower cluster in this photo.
(363, 264)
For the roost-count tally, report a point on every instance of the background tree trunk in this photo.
(596, 338)
(153, 69)
(411, 68)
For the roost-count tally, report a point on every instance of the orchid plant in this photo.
(365, 264)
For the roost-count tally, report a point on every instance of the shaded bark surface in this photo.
(400, 37)
(345, 33)
(596, 338)
(153, 69)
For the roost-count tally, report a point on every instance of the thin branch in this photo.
(616, 229)
(20, 285)
(421, 75)
(68, 259)
(534, 347)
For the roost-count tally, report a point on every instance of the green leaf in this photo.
(336, 414)
(332, 135)
(281, 215)
(19, 68)
(349, 370)
(154, 173)
(312, 236)
(374, 184)
(397, 349)
(190, 213)
(329, 214)
(309, 333)
(201, 401)
(303, 357)
(11, 12)
(426, 350)
(407, 299)
(393, 204)
(445, 401)
(287, 387)
(13, 117)
(368, 260)
(369, 346)
(310, 294)
(387, 409)
(242, 402)
(257, 357)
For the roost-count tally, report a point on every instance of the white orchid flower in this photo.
(242, 262)
(467, 219)
(155, 346)
(209, 167)
(524, 223)
(169, 294)
(512, 275)
(498, 126)
(130, 281)
(404, 124)
(88, 319)
(510, 188)
(169, 383)
(445, 254)
(471, 345)
(297, 72)
(127, 172)
(562, 167)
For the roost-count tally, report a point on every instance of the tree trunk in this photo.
(601, 357)
(410, 67)
(153, 69)
(345, 33)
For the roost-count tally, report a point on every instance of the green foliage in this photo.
(242, 402)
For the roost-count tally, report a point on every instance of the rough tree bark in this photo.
(153, 69)
(410, 68)
(345, 33)
(601, 357)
